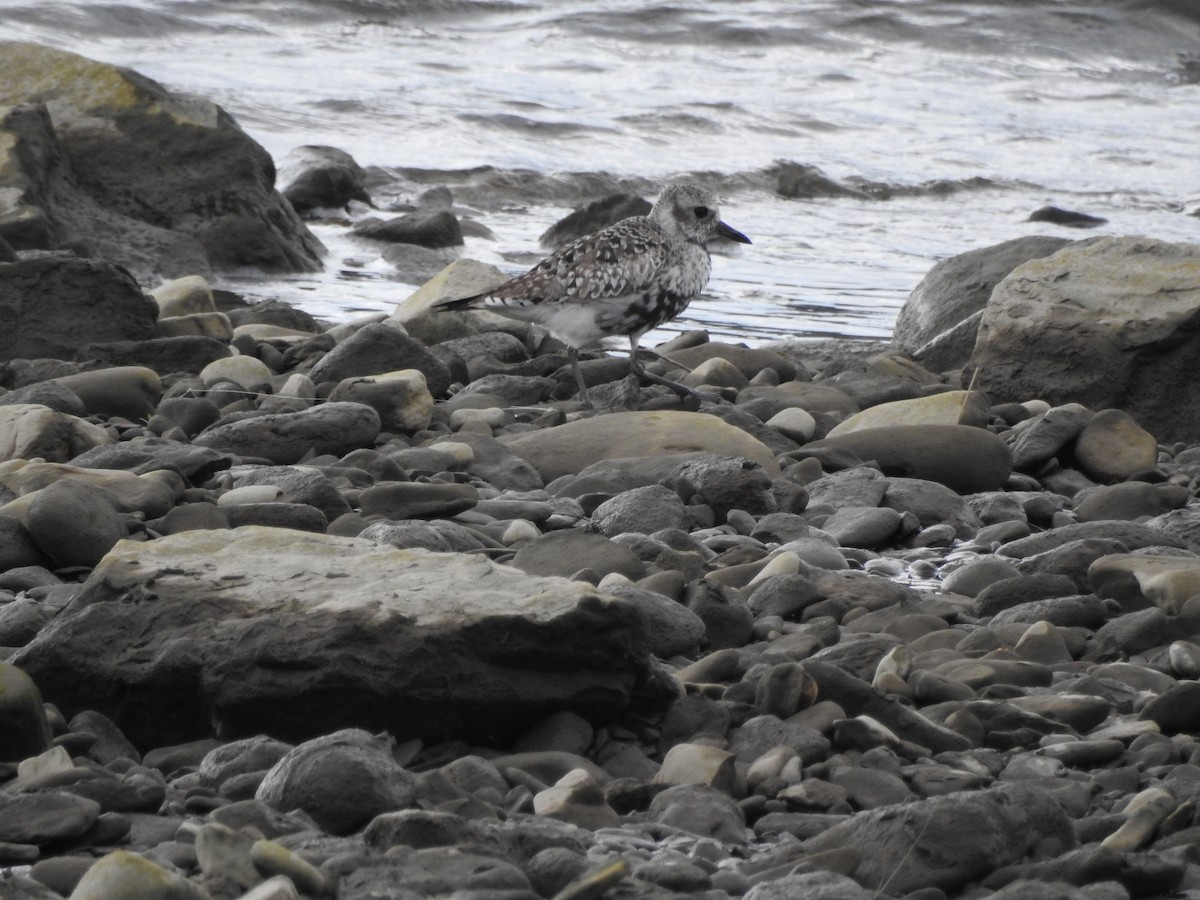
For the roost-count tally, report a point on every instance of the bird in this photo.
(625, 279)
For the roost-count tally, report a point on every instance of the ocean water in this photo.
(949, 121)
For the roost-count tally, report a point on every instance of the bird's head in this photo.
(690, 212)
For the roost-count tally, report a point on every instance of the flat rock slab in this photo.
(264, 630)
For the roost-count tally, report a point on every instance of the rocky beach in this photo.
(377, 609)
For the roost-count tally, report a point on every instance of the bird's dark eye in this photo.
(701, 212)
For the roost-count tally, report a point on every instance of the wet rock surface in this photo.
(380, 610)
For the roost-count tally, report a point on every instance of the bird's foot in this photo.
(681, 389)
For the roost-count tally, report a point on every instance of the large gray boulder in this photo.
(51, 307)
(105, 160)
(264, 630)
(937, 323)
(1107, 323)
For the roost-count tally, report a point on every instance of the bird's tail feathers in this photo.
(460, 304)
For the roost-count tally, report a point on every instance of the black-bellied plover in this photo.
(622, 280)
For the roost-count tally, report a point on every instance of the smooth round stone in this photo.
(1042, 643)
(568, 449)
(1185, 659)
(1168, 582)
(297, 516)
(965, 459)
(576, 798)
(74, 523)
(45, 817)
(1010, 592)
(566, 552)
(784, 690)
(184, 296)
(794, 422)
(971, 578)
(250, 493)
(869, 788)
(1129, 500)
(946, 408)
(642, 510)
(342, 780)
(247, 372)
(285, 438)
(1114, 446)
(1084, 753)
(863, 527)
(1081, 712)
(31, 431)
(702, 810)
(413, 500)
(272, 859)
(930, 687)
(125, 874)
(298, 386)
(401, 398)
(1143, 815)
(24, 729)
(717, 372)
(519, 532)
(214, 325)
(130, 392)
(1177, 709)
(493, 417)
(239, 757)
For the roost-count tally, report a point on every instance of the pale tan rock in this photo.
(1168, 582)
(1114, 446)
(718, 372)
(1043, 643)
(567, 449)
(948, 408)
(149, 493)
(578, 799)
(699, 764)
(1143, 814)
(32, 431)
(794, 422)
(210, 324)
(247, 372)
(125, 874)
(184, 297)
(401, 398)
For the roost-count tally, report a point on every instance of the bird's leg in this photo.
(640, 371)
(573, 356)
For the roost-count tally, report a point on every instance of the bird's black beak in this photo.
(731, 233)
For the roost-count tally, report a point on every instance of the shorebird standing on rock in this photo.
(622, 280)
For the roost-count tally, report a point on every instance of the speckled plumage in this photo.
(623, 280)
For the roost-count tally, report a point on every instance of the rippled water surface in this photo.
(950, 121)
